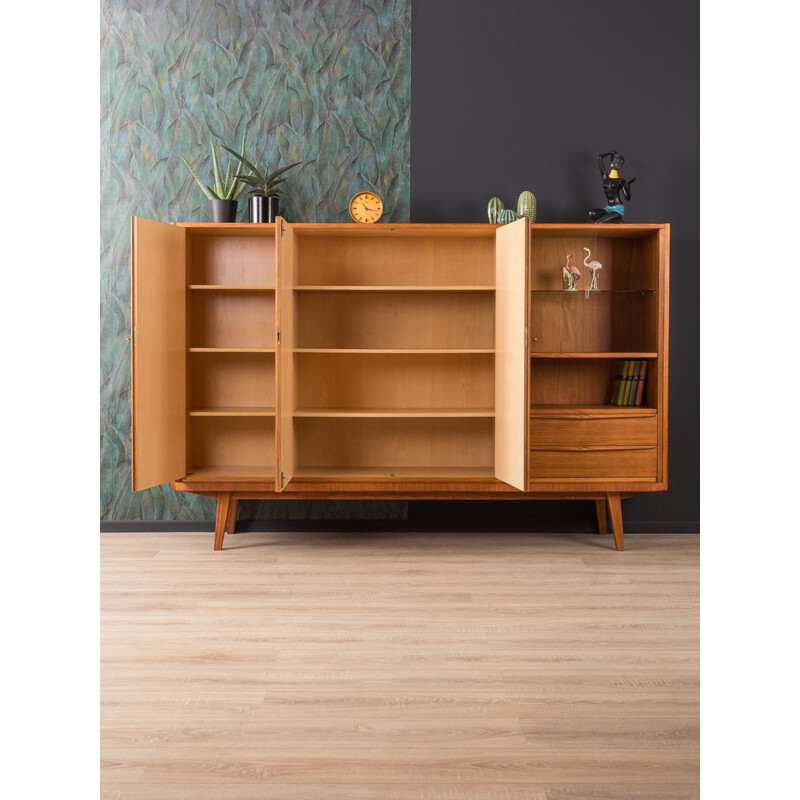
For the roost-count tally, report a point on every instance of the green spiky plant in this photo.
(225, 187)
(261, 183)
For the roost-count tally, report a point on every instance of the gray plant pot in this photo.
(222, 210)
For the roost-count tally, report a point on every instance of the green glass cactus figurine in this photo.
(526, 206)
(496, 205)
(507, 215)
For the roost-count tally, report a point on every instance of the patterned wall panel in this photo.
(327, 82)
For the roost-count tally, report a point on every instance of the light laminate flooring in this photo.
(399, 666)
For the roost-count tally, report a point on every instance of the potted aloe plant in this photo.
(264, 191)
(222, 195)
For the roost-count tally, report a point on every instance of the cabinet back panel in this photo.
(228, 380)
(232, 260)
(394, 442)
(396, 261)
(232, 319)
(627, 263)
(572, 381)
(569, 322)
(389, 320)
(340, 380)
(232, 441)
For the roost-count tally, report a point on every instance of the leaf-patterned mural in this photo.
(327, 82)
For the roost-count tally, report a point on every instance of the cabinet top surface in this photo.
(415, 228)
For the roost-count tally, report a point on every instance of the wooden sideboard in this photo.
(396, 361)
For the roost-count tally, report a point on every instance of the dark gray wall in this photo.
(523, 94)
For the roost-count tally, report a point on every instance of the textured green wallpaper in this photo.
(325, 81)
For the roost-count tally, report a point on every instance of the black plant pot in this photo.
(223, 210)
(262, 209)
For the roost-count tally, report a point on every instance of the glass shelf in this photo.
(597, 291)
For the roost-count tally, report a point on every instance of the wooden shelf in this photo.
(216, 287)
(589, 411)
(454, 413)
(594, 355)
(353, 288)
(239, 473)
(231, 349)
(233, 411)
(392, 473)
(375, 351)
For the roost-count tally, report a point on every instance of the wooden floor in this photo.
(397, 666)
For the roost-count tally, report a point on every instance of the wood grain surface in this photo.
(461, 666)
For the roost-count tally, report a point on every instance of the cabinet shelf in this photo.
(231, 349)
(454, 413)
(387, 288)
(588, 411)
(218, 287)
(582, 292)
(393, 472)
(233, 411)
(232, 472)
(595, 355)
(403, 351)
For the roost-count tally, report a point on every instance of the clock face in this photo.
(366, 207)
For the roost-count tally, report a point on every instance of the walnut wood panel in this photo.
(658, 393)
(232, 319)
(572, 382)
(628, 262)
(227, 380)
(569, 322)
(158, 352)
(341, 380)
(587, 463)
(382, 258)
(395, 320)
(511, 359)
(352, 443)
(229, 259)
(234, 441)
(632, 432)
(463, 667)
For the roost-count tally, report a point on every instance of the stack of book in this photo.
(629, 383)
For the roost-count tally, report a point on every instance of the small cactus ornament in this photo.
(526, 206)
(507, 215)
(496, 205)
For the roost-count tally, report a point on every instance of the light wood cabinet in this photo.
(395, 361)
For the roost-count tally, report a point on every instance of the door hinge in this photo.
(279, 335)
(281, 479)
(526, 336)
(282, 228)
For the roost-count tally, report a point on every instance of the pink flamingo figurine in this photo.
(570, 275)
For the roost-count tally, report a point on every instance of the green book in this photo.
(637, 372)
(623, 401)
(625, 382)
(617, 382)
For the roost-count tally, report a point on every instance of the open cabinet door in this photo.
(285, 404)
(512, 243)
(158, 352)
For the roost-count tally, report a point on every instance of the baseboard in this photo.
(398, 526)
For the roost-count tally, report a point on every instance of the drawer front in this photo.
(641, 463)
(547, 434)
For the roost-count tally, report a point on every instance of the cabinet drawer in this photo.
(547, 434)
(593, 463)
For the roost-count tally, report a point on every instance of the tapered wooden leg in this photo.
(615, 510)
(223, 504)
(230, 524)
(602, 516)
